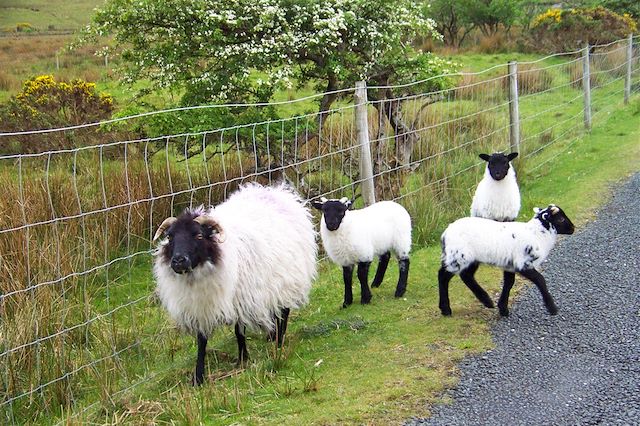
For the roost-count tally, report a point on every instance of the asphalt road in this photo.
(580, 367)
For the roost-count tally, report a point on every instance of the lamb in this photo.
(517, 247)
(497, 196)
(246, 262)
(356, 236)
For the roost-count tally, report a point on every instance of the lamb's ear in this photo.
(317, 204)
(536, 210)
(485, 157)
(163, 227)
(512, 156)
(350, 204)
(347, 202)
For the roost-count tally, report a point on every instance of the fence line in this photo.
(75, 223)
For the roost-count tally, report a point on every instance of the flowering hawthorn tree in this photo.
(230, 51)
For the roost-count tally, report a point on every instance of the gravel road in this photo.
(581, 366)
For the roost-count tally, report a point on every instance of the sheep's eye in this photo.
(199, 236)
(169, 237)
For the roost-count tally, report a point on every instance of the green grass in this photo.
(46, 15)
(373, 364)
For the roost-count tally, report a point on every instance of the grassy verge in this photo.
(373, 364)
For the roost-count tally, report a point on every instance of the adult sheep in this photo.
(246, 262)
(517, 247)
(353, 237)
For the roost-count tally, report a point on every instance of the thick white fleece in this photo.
(497, 199)
(267, 262)
(512, 246)
(369, 232)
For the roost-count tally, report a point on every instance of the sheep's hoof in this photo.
(553, 309)
(504, 312)
(400, 293)
(242, 362)
(446, 312)
(197, 381)
(364, 300)
(376, 284)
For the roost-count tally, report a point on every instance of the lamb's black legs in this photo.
(202, 350)
(382, 268)
(243, 354)
(403, 265)
(537, 278)
(507, 282)
(363, 276)
(444, 277)
(347, 276)
(468, 278)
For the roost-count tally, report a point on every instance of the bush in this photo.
(565, 30)
(24, 27)
(44, 103)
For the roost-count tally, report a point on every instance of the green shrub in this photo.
(45, 103)
(24, 27)
(565, 30)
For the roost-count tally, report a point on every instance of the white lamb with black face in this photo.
(353, 237)
(515, 247)
(497, 196)
(247, 262)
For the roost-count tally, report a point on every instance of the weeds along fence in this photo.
(80, 329)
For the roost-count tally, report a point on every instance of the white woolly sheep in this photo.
(512, 246)
(246, 262)
(356, 236)
(497, 196)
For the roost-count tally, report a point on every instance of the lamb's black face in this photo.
(555, 216)
(498, 164)
(190, 244)
(333, 211)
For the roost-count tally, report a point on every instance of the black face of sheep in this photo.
(333, 211)
(192, 240)
(554, 216)
(498, 164)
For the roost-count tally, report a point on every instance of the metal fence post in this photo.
(586, 86)
(362, 138)
(514, 112)
(627, 77)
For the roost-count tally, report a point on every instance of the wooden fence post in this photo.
(627, 77)
(514, 112)
(586, 86)
(362, 139)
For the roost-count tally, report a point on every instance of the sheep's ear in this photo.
(206, 220)
(351, 202)
(317, 204)
(536, 210)
(163, 227)
(512, 156)
(347, 202)
(484, 157)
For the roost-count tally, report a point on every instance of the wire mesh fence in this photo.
(79, 324)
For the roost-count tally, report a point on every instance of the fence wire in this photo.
(78, 319)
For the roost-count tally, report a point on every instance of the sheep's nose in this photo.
(180, 263)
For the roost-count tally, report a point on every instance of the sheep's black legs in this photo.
(444, 277)
(382, 268)
(363, 276)
(503, 303)
(243, 354)
(403, 265)
(468, 278)
(347, 276)
(202, 350)
(537, 278)
(281, 326)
